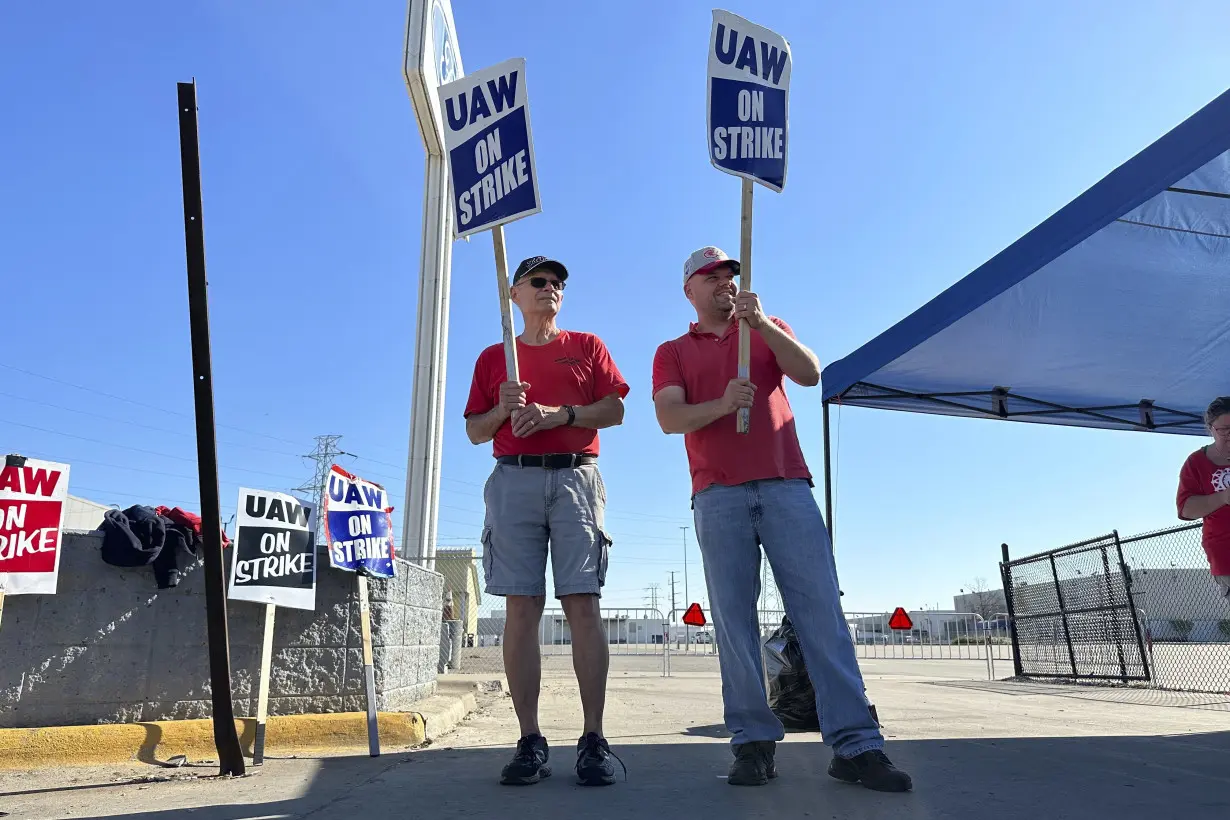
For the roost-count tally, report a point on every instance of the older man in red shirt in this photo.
(752, 490)
(546, 488)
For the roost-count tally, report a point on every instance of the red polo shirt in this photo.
(1200, 476)
(703, 364)
(573, 368)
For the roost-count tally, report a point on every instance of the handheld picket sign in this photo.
(490, 148)
(748, 122)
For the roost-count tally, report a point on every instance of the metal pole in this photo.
(1131, 601)
(1005, 571)
(1109, 615)
(423, 468)
(1063, 610)
(828, 475)
(230, 755)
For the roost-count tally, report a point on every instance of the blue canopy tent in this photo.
(1113, 313)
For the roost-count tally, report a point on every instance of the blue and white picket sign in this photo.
(749, 100)
(358, 526)
(490, 148)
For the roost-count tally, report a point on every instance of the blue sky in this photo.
(923, 141)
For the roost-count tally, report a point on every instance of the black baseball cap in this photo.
(534, 263)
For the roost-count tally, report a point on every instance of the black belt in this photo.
(551, 461)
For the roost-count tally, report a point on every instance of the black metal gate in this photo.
(1073, 614)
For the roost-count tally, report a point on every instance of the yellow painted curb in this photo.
(158, 741)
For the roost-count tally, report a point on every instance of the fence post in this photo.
(666, 649)
(1131, 600)
(1063, 612)
(1005, 571)
(1110, 612)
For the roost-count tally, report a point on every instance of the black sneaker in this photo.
(595, 766)
(873, 769)
(529, 763)
(753, 764)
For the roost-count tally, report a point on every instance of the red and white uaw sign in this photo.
(32, 499)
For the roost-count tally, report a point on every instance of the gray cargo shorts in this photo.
(529, 507)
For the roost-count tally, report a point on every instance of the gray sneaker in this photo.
(529, 762)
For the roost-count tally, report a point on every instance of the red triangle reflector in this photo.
(900, 620)
(695, 616)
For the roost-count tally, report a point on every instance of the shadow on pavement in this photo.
(1006, 778)
(717, 730)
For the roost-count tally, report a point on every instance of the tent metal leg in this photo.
(828, 474)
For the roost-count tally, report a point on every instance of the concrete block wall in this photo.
(111, 647)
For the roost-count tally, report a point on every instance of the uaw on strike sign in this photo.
(274, 560)
(490, 148)
(358, 526)
(32, 499)
(749, 96)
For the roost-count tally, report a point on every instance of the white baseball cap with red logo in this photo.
(706, 259)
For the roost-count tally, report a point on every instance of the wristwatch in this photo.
(572, 414)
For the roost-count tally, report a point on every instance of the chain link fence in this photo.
(1143, 610)
(1183, 612)
(473, 630)
(472, 636)
(935, 635)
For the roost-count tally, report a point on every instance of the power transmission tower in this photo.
(687, 599)
(770, 595)
(674, 603)
(314, 488)
(651, 595)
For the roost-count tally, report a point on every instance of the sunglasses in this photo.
(540, 282)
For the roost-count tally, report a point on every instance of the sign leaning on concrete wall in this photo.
(33, 494)
(358, 525)
(274, 560)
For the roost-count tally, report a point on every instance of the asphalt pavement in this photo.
(976, 749)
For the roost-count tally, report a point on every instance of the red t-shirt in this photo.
(703, 364)
(573, 368)
(1200, 476)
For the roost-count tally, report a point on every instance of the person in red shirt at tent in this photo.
(1204, 491)
(755, 490)
(546, 488)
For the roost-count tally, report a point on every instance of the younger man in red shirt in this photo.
(753, 490)
(546, 488)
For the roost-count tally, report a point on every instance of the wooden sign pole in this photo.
(369, 671)
(506, 317)
(262, 698)
(745, 284)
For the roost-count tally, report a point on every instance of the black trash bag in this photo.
(791, 695)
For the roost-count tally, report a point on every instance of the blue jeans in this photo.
(731, 525)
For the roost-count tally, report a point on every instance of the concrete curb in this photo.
(159, 741)
(457, 698)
